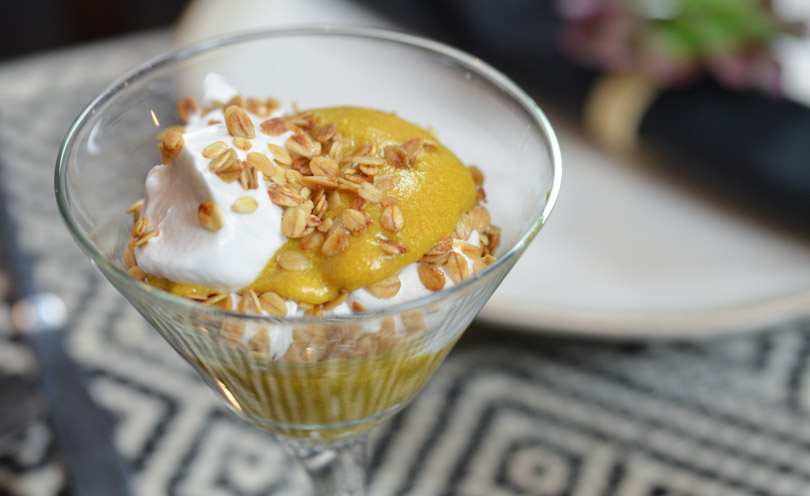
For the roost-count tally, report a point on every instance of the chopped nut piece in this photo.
(413, 321)
(337, 300)
(494, 238)
(483, 240)
(139, 227)
(477, 175)
(336, 242)
(245, 205)
(214, 299)
(348, 186)
(294, 221)
(135, 210)
(273, 304)
(413, 148)
(482, 263)
(306, 120)
(137, 273)
(358, 203)
(293, 177)
(360, 151)
(223, 161)
(365, 160)
(324, 166)
(327, 132)
(147, 236)
(312, 240)
(319, 202)
(480, 218)
(283, 196)
(242, 143)
(294, 261)
(368, 192)
(258, 107)
(392, 219)
(232, 173)
(238, 122)
(301, 144)
(355, 221)
(210, 216)
(392, 247)
(249, 302)
(338, 150)
(214, 149)
(457, 267)
(386, 336)
(321, 182)
(333, 200)
(326, 225)
(468, 249)
(397, 156)
(254, 300)
(237, 101)
(129, 254)
(185, 107)
(438, 253)
(272, 103)
(231, 331)
(301, 164)
(170, 147)
(386, 288)
(280, 155)
(261, 163)
(431, 277)
(464, 227)
(260, 342)
(369, 170)
(171, 129)
(274, 126)
(481, 194)
(248, 177)
(386, 182)
(317, 311)
(313, 221)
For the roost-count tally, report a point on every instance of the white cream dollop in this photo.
(185, 251)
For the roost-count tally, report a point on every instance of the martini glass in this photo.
(343, 374)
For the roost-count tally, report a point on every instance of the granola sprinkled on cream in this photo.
(333, 210)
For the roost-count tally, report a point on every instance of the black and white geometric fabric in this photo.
(505, 415)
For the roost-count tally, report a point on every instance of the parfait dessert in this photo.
(304, 215)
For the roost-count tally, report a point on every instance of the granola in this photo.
(331, 193)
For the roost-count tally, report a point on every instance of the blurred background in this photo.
(653, 340)
(51, 24)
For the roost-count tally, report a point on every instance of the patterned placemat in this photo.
(505, 415)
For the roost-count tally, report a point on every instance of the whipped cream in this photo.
(185, 251)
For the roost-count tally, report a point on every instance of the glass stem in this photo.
(337, 469)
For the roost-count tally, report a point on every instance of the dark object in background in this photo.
(746, 145)
(33, 25)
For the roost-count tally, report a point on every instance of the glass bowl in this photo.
(344, 374)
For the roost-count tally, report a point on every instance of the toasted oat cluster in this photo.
(306, 178)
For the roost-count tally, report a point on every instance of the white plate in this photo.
(627, 253)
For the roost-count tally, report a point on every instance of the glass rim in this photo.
(463, 59)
